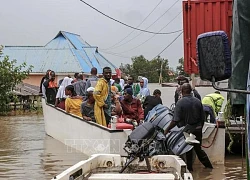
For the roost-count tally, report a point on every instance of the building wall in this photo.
(35, 79)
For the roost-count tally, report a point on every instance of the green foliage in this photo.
(150, 69)
(10, 76)
(227, 114)
(180, 68)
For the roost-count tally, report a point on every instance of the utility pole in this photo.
(160, 78)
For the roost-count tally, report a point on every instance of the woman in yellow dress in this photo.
(73, 102)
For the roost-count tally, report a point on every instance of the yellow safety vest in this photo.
(213, 100)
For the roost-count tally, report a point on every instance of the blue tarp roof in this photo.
(66, 53)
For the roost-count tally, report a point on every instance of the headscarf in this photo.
(91, 89)
(61, 91)
(111, 81)
(122, 82)
(144, 90)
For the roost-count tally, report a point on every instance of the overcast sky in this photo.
(36, 22)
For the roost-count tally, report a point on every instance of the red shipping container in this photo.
(199, 17)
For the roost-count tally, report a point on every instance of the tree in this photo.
(126, 68)
(10, 76)
(149, 69)
(180, 68)
(159, 66)
(140, 66)
(172, 74)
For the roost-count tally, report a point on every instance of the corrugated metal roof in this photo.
(25, 89)
(66, 53)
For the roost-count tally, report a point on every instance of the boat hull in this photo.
(213, 142)
(107, 166)
(77, 134)
(91, 138)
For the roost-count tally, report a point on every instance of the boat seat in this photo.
(107, 176)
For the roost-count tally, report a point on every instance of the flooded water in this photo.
(26, 152)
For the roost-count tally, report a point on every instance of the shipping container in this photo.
(199, 17)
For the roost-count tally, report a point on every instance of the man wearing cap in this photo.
(181, 80)
(132, 110)
(212, 104)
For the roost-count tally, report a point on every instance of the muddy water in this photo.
(26, 152)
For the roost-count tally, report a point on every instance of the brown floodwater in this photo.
(26, 152)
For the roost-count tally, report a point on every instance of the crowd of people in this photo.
(97, 99)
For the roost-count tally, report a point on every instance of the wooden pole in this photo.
(193, 80)
(160, 78)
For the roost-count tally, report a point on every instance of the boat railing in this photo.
(81, 119)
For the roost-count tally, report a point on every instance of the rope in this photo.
(217, 128)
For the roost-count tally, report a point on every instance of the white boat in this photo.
(91, 138)
(85, 136)
(107, 167)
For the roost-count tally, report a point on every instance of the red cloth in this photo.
(123, 126)
(61, 105)
(118, 73)
(132, 110)
(120, 120)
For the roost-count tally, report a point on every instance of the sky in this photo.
(36, 22)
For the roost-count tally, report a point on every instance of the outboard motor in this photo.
(161, 116)
(138, 143)
(148, 139)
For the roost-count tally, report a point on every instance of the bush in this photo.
(10, 76)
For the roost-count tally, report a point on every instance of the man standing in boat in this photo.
(92, 80)
(45, 78)
(102, 96)
(181, 80)
(189, 113)
(50, 88)
(79, 85)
